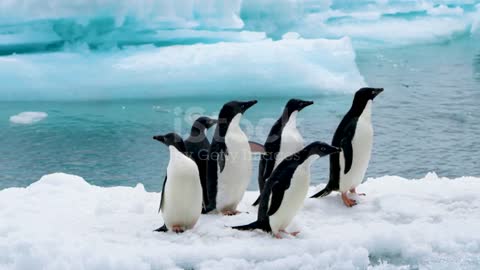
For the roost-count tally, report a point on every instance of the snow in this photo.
(62, 222)
(26, 118)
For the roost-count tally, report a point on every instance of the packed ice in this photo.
(63, 222)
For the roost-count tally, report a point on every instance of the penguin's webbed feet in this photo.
(230, 212)
(354, 191)
(177, 229)
(278, 235)
(294, 234)
(347, 201)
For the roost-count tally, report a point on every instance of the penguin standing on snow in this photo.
(181, 201)
(283, 140)
(354, 136)
(197, 146)
(286, 189)
(229, 160)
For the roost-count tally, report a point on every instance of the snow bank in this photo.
(28, 117)
(259, 68)
(62, 222)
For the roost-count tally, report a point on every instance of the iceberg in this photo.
(63, 222)
(33, 26)
(26, 118)
(307, 66)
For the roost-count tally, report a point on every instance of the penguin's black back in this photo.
(279, 182)
(198, 150)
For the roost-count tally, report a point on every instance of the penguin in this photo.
(229, 160)
(197, 145)
(181, 201)
(354, 135)
(286, 190)
(283, 140)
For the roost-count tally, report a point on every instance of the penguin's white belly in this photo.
(291, 142)
(182, 204)
(293, 199)
(234, 179)
(362, 148)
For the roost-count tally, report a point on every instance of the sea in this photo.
(109, 81)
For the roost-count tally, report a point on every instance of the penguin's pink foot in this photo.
(291, 233)
(177, 229)
(277, 235)
(230, 212)
(355, 192)
(347, 201)
(294, 233)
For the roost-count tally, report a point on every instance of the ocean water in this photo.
(426, 120)
(112, 74)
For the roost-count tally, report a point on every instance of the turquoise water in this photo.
(426, 120)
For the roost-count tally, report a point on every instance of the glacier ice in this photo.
(99, 49)
(307, 66)
(32, 26)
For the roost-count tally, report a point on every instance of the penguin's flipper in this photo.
(217, 153)
(257, 201)
(162, 229)
(163, 193)
(249, 227)
(322, 193)
(261, 180)
(346, 145)
(265, 168)
(213, 169)
(278, 190)
(207, 209)
(256, 147)
(262, 225)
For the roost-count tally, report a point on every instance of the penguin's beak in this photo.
(212, 122)
(336, 150)
(306, 104)
(248, 104)
(377, 91)
(159, 138)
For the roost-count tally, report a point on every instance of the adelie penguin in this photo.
(181, 201)
(283, 140)
(286, 190)
(229, 160)
(354, 136)
(198, 146)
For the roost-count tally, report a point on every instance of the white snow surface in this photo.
(27, 118)
(62, 222)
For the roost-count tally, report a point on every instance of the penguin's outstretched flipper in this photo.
(162, 229)
(249, 227)
(254, 225)
(257, 201)
(322, 193)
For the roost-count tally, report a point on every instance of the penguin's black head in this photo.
(367, 93)
(172, 139)
(204, 122)
(232, 108)
(322, 149)
(361, 99)
(297, 104)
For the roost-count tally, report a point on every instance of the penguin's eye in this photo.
(323, 149)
